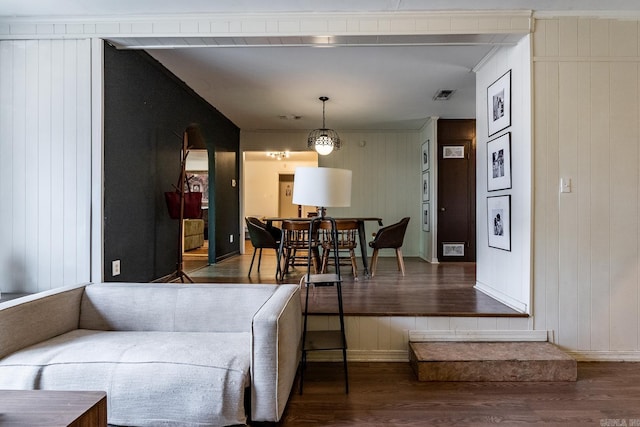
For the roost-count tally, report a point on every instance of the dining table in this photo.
(361, 231)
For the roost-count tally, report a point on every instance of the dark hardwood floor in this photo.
(444, 289)
(387, 394)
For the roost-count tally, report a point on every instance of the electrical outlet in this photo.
(230, 238)
(115, 267)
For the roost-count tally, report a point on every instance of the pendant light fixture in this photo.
(323, 140)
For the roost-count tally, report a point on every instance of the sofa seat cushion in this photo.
(151, 378)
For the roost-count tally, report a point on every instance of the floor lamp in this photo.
(323, 188)
(179, 273)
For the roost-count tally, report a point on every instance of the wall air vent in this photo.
(443, 95)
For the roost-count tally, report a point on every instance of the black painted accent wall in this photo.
(146, 110)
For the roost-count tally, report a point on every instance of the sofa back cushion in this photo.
(172, 307)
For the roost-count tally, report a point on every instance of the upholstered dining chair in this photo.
(347, 241)
(263, 237)
(391, 236)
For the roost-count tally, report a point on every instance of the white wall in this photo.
(261, 184)
(587, 128)
(506, 275)
(45, 164)
(429, 132)
(197, 160)
(386, 179)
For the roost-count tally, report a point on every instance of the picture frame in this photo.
(453, 152)
(425, 186)
(425, 155)
(426, 217)
(499, 163)
(199, 182)
(499, 222)
(499, 104)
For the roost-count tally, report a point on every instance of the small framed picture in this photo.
(499, 104)
(426, 220)
(425, 155)
(425, 186)
(453, 152)
(499, 222)
(499, 163)
(198, 181)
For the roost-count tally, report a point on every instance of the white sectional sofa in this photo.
(166, 354)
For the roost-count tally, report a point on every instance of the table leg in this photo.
(363, 248)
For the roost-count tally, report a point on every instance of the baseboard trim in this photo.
(503, 298)
(604, 356)
(478, 336)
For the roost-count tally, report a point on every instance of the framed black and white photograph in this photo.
(499, 222)
(425, 186)
(425, 155)
(453, 152)
(499, 163)
(425, 217)
(499, 104)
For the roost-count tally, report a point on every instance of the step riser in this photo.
(491, 362)
(493, 371)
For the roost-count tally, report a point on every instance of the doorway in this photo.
(286, 208)
(456, 190)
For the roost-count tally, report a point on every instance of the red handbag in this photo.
(192, 203)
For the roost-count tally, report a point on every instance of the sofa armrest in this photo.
(276, 349)
(32, 319)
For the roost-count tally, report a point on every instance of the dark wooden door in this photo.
(456, 190)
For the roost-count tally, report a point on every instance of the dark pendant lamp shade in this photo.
(323, 140)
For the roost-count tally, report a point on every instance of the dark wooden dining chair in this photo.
(263, 237)
(392, 237)
(347, 241)
(296, 244)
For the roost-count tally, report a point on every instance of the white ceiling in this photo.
(372, 83)
(369, 87)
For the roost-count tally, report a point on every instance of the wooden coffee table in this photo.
(53, 408)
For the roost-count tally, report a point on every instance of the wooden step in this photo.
(491, 361)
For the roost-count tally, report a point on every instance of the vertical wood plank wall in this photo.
(386, 338)
(587, 129)
(45, 164)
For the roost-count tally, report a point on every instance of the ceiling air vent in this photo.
(443, 95)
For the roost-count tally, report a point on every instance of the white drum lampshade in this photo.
(322, 187)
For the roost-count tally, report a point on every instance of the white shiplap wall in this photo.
(501, 274)
(587, 129)
(386, 338)
(45, 164)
